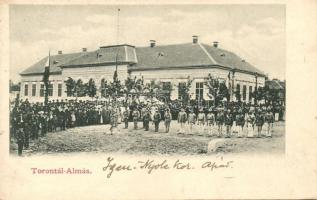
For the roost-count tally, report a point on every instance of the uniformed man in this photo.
(156, 119)
(146, 119)
(259, 120)
(143, 112)
(167, 119)
(182, 118)
(210, 121)
(191, 120)
(228, 123)
(220, 121)
(240, 123)
(135, 116)
(269, 119)
(201, 118)
(126, 117)
(113, 120)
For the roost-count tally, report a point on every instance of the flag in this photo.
(115, 75)
(229, 84)
(47, 69)
(46, 78)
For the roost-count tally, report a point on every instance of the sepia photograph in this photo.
(174, 99)
(147, 79)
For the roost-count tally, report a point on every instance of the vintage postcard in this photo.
(148, 100)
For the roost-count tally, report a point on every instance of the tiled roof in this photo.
(142, 58)
(189, 55)
(55, 62)
(229, 59)
(177, 55)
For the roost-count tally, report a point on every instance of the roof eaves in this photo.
(38, 73)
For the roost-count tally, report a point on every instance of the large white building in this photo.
(167, 63)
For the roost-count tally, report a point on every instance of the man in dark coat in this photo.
(167, 120)
(126, 118)
(146, 119)
(135, 116)
(259, 121)
(20, 136)
(229, 123)
(156, 119)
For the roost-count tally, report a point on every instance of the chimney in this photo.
(60, 52)
(84, 49)
(215, 44)
(195, 39)
(152, 43)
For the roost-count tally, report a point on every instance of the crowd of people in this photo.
(29, 121)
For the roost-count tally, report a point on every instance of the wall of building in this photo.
(175, 76)
(84, 73)
(28, 81)
(97, 73)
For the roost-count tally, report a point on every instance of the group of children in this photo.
(223, 122)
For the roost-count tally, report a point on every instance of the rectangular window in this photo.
(33, 89)
(250, 93)
(180, 90)
(59, 90)
(238, 88)
(42, 90)
(238, 92)
(244, 92)
(50, 90)
(26, 89)
(166, 86)
(199, 90)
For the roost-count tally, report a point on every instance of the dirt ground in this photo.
(128, 141)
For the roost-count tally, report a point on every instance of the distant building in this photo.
(167, 63)
(278, 87)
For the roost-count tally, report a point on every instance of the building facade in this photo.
(171, 64)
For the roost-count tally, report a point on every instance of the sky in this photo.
(254, 32)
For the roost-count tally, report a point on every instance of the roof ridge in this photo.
(165, 45)
(67, 54)
(209, 56)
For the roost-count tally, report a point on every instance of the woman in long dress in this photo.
(210, 121)
(250, 124)
(269, 119)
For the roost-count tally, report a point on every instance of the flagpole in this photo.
(118, 26)
(115, 76)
